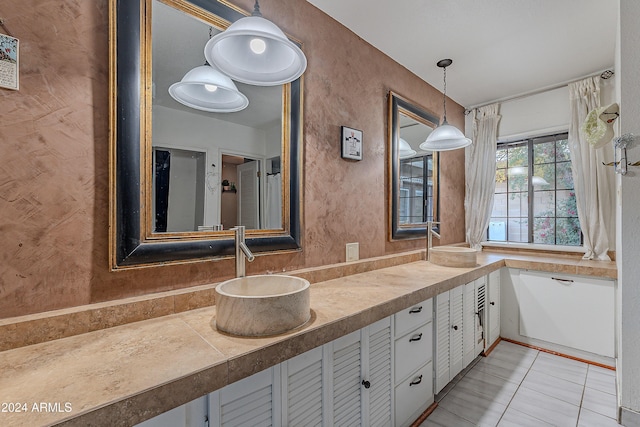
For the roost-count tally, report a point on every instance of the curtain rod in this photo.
(605, 74)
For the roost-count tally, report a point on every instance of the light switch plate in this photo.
(353, 251)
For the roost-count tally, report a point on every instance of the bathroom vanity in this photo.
(360, 323)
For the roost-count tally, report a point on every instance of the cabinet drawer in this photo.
(414, 395)
(408, 319)
(413, 350)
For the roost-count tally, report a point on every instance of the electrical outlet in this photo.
(353, 251)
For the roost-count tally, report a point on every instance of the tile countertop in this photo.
(129, 373)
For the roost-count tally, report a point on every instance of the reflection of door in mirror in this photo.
(240, 204)
(178, 193)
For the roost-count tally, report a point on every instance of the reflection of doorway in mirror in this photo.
(240, 205)
(178, 189)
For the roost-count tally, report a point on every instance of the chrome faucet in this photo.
(430, 233)
(242, 251)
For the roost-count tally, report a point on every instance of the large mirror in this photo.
(413, 173)
(181, 176)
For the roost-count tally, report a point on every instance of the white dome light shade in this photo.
(404, 150)
(207, 89)
(255, 51)
(445, 137)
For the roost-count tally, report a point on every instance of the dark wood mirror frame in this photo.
(130, 246)
(399, 105)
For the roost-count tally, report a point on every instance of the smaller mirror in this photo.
(413, 196)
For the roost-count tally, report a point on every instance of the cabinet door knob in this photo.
(415, 310)
(455, 327)
(366, 383)
(492, 303)
(416, 381)
(416, 337)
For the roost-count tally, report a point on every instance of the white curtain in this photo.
(274, 202)
(480, 167)
(593, 182)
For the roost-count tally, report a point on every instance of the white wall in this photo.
(628, 216)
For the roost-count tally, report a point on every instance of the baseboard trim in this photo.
(493, 346)
(590, 362)
(629, 418)
(425, 414)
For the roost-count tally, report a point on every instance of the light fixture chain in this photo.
(444, 103)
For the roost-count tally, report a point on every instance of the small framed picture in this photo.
(351, 143)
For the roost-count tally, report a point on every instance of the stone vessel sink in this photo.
(262, 305)
(453, 256)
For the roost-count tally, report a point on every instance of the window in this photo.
(534, 198)
(416, 190)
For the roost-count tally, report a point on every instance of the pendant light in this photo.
(206, 88)
(445, 137)
(255, 51)
(404, 150)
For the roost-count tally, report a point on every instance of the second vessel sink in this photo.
(453, 256)
(262, 305)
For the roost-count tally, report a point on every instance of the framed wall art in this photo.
(351, 143)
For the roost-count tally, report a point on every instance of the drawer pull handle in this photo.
(416, 381)
(455, 327)
(415, 310)
(366, 383)
(492, 303)
(416, 337)
(562, 280)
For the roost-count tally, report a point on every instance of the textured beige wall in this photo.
(54, 149)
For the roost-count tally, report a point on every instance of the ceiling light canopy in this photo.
(445, 137)
(206, 88)
(255, 51)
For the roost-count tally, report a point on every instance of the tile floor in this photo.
(519, 386)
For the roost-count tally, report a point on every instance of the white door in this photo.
(480, 321)
(249, 195)
(346, 379)
(456, 351)
(192, 414)
(468, 319)
(442, 343)
(494, 307)
(302, 389)
(377, 398)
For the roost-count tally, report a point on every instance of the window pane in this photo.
(562, 150)
(568, 231)
(501, 158)
(564, 175)
(544, 204)
(518, 156)
(501, 181)
(517, 182)
(566, 204)
(544, 176)
(544, 230)
(518, 205)
(499, 205)
(518, 230)
(544, 152)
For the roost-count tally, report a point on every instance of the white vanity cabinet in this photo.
(192, 414)
(568, 313)
(458, 316)
(254, 400)
(413, 362)
(303, 390)
(360, 377)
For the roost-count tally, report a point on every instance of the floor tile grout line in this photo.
(518, 388)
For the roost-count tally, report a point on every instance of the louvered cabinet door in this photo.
(456, 352)
(346, 380)
(468, 319)
(378, 366)
(442, 336)
(302, 390)
(253, 401)
(494, 307)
